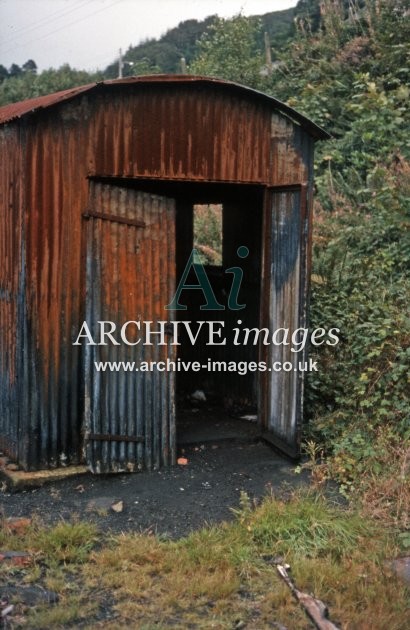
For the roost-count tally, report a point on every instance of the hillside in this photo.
(164, 54)
(152, 56)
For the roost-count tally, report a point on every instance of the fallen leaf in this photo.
(17, 525)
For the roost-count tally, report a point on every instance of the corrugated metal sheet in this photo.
(166, 133)
(22, 108)
(50, 404)
(129, 415)
(11, 297)
(285, 308)
(14, 111)
(158, 129)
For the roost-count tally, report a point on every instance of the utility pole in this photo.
(183, 65)
(268, 53)
(120, 64)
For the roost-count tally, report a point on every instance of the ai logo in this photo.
(204, 285)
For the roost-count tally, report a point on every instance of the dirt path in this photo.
(172, 502)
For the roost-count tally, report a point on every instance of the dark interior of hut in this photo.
(215, 403)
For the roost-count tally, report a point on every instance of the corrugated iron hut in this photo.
(98, 185)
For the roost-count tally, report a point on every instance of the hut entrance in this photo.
(139, 238)
(148, 244)
(219, 399)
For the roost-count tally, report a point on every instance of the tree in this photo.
(15, 70)
(4, 73)
(229, 50)
(30, 66)
(29, 85)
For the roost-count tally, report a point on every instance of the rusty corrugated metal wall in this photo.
(12, 268)
(130, 277)
(184, 132)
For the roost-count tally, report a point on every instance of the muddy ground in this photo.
(170, 502)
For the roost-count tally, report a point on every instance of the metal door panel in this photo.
(284, 305)
(130, 276)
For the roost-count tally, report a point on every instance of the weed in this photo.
(71, 610)
(66, 542)
(306, 526)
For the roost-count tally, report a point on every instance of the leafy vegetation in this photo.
(208, 233)
(230, 50)
(347, 68)
(164, 54)
(353, 75)
(30, 84)
(152, 56)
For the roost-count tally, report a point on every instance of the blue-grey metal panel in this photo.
(285, 287)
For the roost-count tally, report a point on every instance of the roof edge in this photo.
(15, 111)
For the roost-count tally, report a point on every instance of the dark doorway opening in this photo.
(220, 401)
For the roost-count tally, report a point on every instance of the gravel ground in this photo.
(171, 502)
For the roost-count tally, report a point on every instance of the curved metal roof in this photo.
(15, 111)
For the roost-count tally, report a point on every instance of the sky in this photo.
(88, 34)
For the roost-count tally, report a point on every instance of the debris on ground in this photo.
(16, 558)
(154, 499)
(16, 525)
(250, 418)
(198, 395)
(315, 609)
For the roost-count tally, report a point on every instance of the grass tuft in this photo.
(307, 526)
(66, 542)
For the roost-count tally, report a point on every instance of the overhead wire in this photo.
(23, 30)
(57, 30)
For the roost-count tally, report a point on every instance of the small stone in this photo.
(12, 467)
(118, 507)
(401, 567)
(30, 595)
(100, 504)
(7, 611)
(198, 395)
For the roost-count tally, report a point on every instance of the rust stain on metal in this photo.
(17, 110)
(161, 129)
(130, 277)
